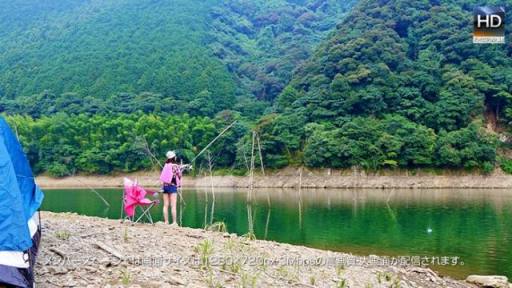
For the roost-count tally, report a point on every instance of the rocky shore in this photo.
(293, 177)
(80, 251)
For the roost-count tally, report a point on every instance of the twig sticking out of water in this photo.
(260, 154)
(210, 168)
(205, 208)
(251, 171)
(263, 168)
(300, 197)
(250, 221)
(267, 223)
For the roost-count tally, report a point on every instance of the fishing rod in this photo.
(185, 166)
(215, 139)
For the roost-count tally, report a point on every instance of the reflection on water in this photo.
(475, 225)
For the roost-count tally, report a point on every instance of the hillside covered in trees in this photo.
(180, 56)
(262, 42)
(399, 84)
(390, 84)
(88, 56)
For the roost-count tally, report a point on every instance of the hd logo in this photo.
(489, 25)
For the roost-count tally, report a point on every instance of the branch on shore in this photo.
(109, 250)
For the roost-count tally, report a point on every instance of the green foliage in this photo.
(205, 251)
(279, 136)
(506, 165)
(395, 141)
(396, 86)
(487, 167)
(58, 170)
(403, 57)
(249, 236)
(217, 227)
(126, 277)
(264, 41)
(85, 56)
(159, 57)
(63, 234)
(465, 148)
(64, 145)
(370, 143)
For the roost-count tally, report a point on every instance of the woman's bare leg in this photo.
(173, 197)
(166, 208)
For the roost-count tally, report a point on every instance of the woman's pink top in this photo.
(168, 172)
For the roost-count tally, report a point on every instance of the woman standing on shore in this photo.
(170, 179)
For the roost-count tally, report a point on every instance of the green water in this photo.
(475, 225)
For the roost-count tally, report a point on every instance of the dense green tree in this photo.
(399, 84)
(63, 144)
(263, 41)
(102, 49)
(464, 148)
(181, 56)
(370, 143)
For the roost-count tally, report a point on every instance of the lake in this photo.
(471, 224)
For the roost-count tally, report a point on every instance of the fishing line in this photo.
(93, 190)
(215, 139)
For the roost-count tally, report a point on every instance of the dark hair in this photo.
(171, 160)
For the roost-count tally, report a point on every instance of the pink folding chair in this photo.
(134, 198)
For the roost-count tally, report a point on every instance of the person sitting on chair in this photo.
(170, 179)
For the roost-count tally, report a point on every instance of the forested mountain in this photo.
(139, 61)
(178, 56)
(399, 84)
(263, 41)
(63, 51)
(394, 83)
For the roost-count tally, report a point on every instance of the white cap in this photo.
(170, 154)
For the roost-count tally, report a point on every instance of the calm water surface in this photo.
(475, 225)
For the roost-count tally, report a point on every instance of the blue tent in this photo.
(20, 199)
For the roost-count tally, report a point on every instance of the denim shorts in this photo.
(168, 188)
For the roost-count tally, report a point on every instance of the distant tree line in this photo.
(48, 103)
(64, 144)
(373, 143)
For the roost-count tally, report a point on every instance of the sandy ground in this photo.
(80, 251)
